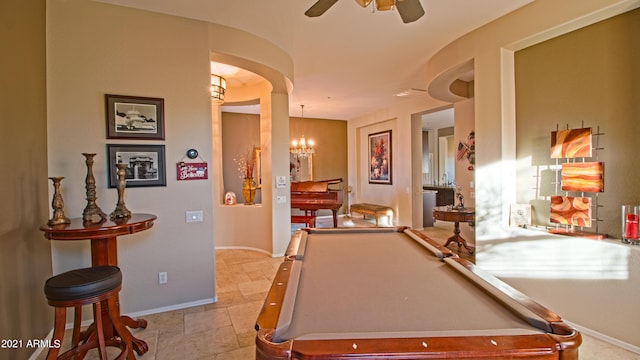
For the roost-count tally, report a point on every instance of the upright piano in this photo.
(311, 196)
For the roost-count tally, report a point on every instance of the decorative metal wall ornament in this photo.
(92, 213)
(57, 204)
(468, 149)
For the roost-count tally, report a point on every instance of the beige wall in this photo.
(242, 131)
(404, 195)
(492, 50)
(25, 254)
(150, 54)
(465, 178)
(588, 78)
(96, 49)
(85, 60)
(330, 137)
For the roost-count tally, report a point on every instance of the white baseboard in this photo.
(173, 307)
(606, 338)
(244, 248)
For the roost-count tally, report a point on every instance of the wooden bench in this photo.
(373, 210)
(309, 220)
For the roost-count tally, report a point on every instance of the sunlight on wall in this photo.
(495, 191)
(539, 255)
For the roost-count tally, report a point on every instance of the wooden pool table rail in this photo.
(531, 347)
(559, 341)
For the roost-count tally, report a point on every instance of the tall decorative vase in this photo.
(57, 204)
(630, 219)
(121, 210)
(249, 191)
(92, 213)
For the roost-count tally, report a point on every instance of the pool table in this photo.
(364, 293)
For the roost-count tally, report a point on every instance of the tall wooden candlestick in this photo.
(92, 213)
(121, 210)
(57, 204)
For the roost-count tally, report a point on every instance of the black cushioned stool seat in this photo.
(82, 283)
(79, 287)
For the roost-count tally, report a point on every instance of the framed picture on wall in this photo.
(380, 166)
(146, 164)
(131, 117)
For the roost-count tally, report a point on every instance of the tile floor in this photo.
(224, 330)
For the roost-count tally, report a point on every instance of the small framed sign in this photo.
(192, 171)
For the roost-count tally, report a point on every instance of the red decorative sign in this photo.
(192, 171)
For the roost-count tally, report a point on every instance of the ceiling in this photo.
(351, 60)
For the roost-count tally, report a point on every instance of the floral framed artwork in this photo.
(146, 164)
(132, 117)
(380, 166)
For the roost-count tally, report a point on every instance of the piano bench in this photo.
(373, 210)
(310, 220)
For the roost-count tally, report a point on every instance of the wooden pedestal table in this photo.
(104, 251)
(455, 215)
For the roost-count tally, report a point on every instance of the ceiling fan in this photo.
(409, 10)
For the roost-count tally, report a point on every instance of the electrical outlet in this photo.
(162, 277)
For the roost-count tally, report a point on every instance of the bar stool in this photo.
(80, 287)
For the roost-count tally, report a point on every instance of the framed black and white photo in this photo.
(146, 164)
(132, 117)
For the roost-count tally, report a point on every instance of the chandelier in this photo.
(302, 147)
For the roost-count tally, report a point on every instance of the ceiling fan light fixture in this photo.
(384, 5)
(409, 10)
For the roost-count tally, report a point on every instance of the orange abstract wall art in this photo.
(583, 177)
(568, 210)
(571, 143)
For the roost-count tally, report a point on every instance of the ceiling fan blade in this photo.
(364, 3)
(409, 10)
(320, 7)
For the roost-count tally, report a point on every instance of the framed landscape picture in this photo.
(146, 164)
(380, 166)
(131, 117)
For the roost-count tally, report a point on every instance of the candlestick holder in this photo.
(630, 216)
(121, 210)
(92, 213)
(57, 204)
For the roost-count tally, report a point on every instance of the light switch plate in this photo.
(194, 216)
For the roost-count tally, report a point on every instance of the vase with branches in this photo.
(246, 165)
